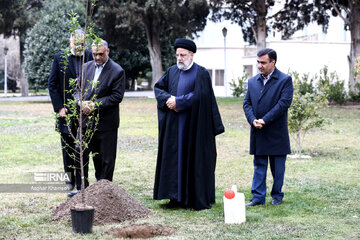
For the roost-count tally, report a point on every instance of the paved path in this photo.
(135, 94)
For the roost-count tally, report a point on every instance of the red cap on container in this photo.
(229, 194)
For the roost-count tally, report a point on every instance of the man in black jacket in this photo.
(266, 105)
(61, 92)
(188, 121)
(104, 79)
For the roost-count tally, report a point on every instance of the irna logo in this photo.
(52, 177)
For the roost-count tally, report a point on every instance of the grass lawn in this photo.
(321, 194)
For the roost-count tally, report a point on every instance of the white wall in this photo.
(213, 58)
(302, 57)
(310, 57)
(308, 52)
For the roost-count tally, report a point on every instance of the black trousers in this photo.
(103, 149)
(68, 150)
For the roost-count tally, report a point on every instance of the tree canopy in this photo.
(49, 35)
(296, 14)
(17, 16)
(249, 14)
(127, 49)
(158, 19)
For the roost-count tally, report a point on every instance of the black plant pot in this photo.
(82, 220)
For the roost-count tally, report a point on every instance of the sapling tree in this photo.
(305, 111)
(85, 123)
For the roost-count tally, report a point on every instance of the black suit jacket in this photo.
(109, 92)
(58, 83)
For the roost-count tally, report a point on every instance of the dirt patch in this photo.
(355, 106)
(141, 231)
(347, 105)
(112, 204)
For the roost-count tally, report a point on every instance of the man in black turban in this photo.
(185, 43)
(188, 121)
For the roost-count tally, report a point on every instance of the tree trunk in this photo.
(298, 143)
(24, 86)
(153, 38)
(355, 42)
(261, 24)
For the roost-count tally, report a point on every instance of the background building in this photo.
(307, 51)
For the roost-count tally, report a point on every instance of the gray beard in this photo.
(184, 66)
(181, 66)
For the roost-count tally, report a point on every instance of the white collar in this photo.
(102, 66)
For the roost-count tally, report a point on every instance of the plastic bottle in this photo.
(234, 206)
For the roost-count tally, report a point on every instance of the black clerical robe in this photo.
(199, 158)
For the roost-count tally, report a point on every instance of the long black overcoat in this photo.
(198, 173)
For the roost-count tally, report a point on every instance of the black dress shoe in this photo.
(71, 194)
(253, 203)
(172, 204)
(70, 186)
(276, 201)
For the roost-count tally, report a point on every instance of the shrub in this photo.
(239, 88)
(337, 92)
(355, 94)
(333, 87)
(305, 84)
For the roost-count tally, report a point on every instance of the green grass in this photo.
(321, 194)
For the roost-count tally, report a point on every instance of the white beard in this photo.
(184, 65)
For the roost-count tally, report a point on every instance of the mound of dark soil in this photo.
(141, 231)
(112, 204)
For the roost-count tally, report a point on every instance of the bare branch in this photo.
(255, 35)
(332, 3)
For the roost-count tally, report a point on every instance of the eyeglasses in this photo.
(182, 55)
(98, 54)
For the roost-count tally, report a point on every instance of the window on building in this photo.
(219, 77)
(249, 70)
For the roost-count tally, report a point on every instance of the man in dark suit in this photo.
(60, 94)
(266, 104)
(104, 79)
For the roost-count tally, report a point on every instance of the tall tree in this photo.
(128, 49)
(159, 19)
(251, 15)
(17, 16)
(296, 14)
